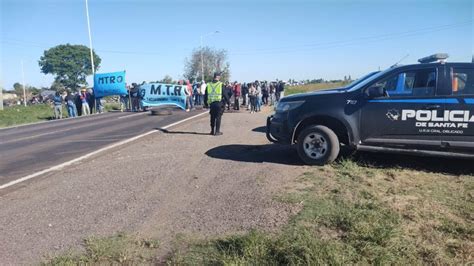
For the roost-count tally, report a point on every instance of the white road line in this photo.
(114, 145)
(125, 116)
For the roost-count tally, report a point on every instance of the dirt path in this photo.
(181, 181)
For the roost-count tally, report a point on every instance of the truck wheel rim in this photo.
(315, 146)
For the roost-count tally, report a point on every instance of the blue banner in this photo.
(109, 84)
(158, 94)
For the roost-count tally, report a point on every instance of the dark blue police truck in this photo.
(425, 109)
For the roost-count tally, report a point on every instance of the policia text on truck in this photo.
(425, 109)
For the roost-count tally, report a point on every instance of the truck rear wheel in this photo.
(318, 145)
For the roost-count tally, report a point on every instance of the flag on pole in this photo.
(106, 84)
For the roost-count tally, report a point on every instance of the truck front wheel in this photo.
(318, 145)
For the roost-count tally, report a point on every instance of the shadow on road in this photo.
(269, 153)
(260, 129)
(181, 132)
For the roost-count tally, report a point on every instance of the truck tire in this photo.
(318, 145)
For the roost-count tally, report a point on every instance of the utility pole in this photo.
(1, 98)
(202, 63)
(90, 48)
(1, 93)
(90, 38)
(24, 85)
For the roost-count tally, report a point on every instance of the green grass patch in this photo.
(350, 217)
(312, 87)
(112, 107)
(117, 249)
(19, 114)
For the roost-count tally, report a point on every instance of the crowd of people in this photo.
(249, 95)
(220, 96)
(78, 104)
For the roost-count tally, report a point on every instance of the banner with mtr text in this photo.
(158, 94)
(107, 84)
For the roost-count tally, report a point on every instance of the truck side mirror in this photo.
(375, 91)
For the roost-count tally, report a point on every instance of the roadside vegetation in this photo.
(358, 212)
(369, 209)
(19, 114)
(118, 249)
(312, 87)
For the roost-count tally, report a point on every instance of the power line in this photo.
(281, 50)
(383, 37)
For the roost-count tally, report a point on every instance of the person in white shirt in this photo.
(202, 91)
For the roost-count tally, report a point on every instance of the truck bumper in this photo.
(277, 131)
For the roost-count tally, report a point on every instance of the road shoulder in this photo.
(180, 182)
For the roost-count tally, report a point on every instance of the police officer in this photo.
(213, 98)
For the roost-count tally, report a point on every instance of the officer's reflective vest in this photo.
(214, 92)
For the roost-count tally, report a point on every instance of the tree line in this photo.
(70, 65)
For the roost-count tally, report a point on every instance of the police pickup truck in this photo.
(425, 109)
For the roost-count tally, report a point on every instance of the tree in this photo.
(166, 79)
(18, 88)
(33, 90)
(57, 86)
(69, 63)
(214, 61)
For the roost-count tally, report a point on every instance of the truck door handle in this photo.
(432, 107)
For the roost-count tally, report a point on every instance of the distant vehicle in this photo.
(47, 96)
(424, 109)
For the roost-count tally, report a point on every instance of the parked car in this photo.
(424, 109)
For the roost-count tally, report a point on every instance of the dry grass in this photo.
(119, 249)
(312, 87)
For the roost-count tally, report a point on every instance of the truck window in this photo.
(462, 80)
(410, 83)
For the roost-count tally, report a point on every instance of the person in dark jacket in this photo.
(90, 100)
(280, 87)
(245, 92)
(265, 93)
(71, 107)
(78, 102)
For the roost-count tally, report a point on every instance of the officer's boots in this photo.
(218, 127)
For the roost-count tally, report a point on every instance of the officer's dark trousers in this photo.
(216, 111)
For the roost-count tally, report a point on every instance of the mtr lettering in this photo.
(167, 90)
(110, 80)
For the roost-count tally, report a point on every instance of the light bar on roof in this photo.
(441, 57)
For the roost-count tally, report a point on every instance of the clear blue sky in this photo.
(265, 39)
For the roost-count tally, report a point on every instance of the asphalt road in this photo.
(27, 149)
